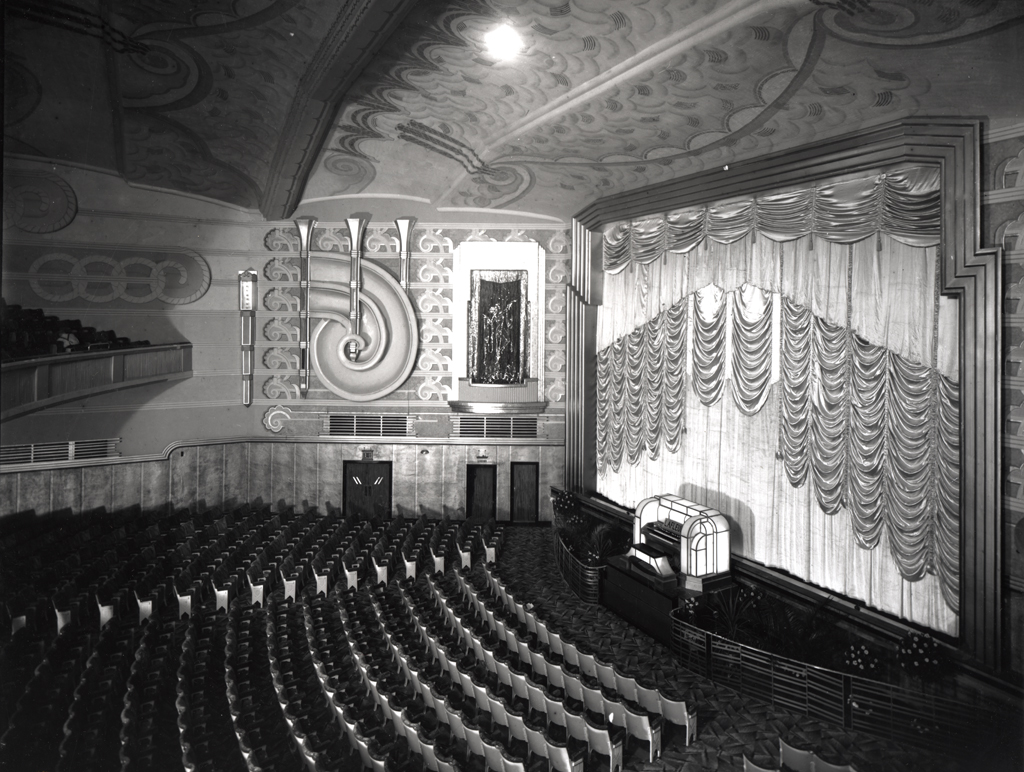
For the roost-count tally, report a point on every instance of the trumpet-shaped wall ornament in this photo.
(355, 343)
(404, 225)
(364, 340)
(305, 226)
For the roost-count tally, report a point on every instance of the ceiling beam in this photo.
(359, 30)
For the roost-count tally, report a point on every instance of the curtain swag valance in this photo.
(904, 204)
(870, 430)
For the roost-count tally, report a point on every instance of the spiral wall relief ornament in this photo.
(364, 338)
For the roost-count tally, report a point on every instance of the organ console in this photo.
(671, 534)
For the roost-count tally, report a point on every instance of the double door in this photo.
(482, 492)
(367, 491)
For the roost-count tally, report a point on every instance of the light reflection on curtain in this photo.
(850, 324)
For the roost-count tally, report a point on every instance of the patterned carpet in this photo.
(729, 725)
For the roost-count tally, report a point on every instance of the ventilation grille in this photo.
(54, 452)
(362, 425)
(507, 427)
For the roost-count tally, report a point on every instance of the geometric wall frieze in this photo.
(558, 272)
(434, 330)
(555, 390)
(435, 271)
(111, 274)
(279, 387)
(282, 269)
(433, 302)
(277, 329)
(432, 387)
(433, 359)
(281, 300)
(281, 359)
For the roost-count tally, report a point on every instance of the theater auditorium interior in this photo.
(464, 385)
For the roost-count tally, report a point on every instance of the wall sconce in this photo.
(247, 308)
(424, 452)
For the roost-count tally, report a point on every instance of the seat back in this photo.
(512, 765)
(474, 740)
(536, 697)
(593, 699)
(520, 686)
(626, 686)
(572, 685)
(504, 674)
(640, 726)
(606, 675)
(555, 710)
(649, 699)
(516, 727)
(555, 643)
(492, 755)
(794, 758)
(535, 739)
(457, 726)
(588, 664)
(576, 725)
(559, 759)
(600, 741)
(497, 708)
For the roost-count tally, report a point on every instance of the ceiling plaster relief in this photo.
(602, 100)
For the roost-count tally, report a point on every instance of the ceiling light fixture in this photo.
(503, 42)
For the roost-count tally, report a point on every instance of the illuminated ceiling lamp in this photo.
(503, 42)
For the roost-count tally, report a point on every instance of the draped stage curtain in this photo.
(788, 360)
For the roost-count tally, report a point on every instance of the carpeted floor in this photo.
(729, 725)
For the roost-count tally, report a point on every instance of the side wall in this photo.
(425, 478)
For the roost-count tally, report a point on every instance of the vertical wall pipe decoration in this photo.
(404, 225)
(305, 226)
(247, 308)
(356, 225)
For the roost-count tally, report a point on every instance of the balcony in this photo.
(33, 384)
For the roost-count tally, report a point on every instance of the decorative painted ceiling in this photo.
(259, 103)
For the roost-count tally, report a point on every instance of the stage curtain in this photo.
(836, 301)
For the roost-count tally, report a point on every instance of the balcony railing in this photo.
(582, 579)
(855, 703)
(33, 384)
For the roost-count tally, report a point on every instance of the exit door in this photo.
(481, 491)
(367, 491)
(523, 505)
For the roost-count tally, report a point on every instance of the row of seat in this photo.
(149, 730)
(567, 661)
(311, 720)
(91, 731)
(520, 725)
(35, 730)
(259, 726)
(29, 332)
(590, 714)
(207, 739)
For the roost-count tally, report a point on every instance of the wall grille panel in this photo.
(53, 452)
(498, 427)
(365, 425)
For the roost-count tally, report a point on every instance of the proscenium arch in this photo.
(969, 273)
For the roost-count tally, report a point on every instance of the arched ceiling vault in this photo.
(266, 103)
